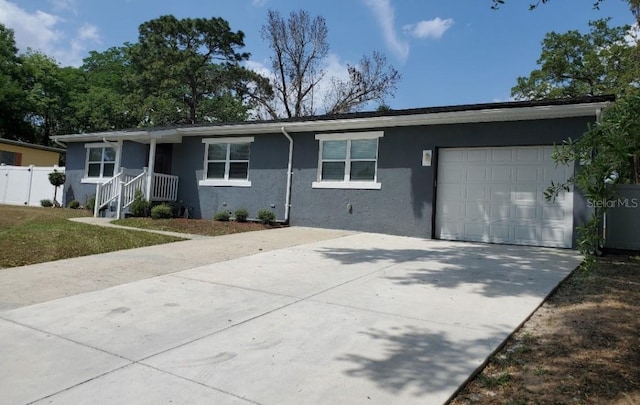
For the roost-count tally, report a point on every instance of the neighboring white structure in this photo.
(27, 185)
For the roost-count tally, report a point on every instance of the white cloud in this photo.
(384, 13)
(259, 68)
(64, 5)
(434, 28)
(43, 32)
(86, 35)
(37, 31)
(259, 3)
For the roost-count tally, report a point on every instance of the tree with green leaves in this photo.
(12, 96)
(609, 154)
(575, 64)
(300, 46)
(634, 5)
(107, 100)
(44, 94)
(188, 71)
(56, 179)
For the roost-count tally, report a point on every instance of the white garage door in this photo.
(496, 195)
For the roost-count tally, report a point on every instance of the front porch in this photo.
(121, 190)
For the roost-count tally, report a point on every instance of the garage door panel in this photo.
(526, 212)
(528, 174)
(501, 174)
(497, 195)
(454, 175)
(452, 192)
(477, 155)
(527, 233)
(453, 211)
(553, 213)
(501, 155)
(501, 193)
(500, 212)
(477, 175)
(528, 155)
(475, 231)
(476, 211)
(528, 192)
(499, 233)
(478, 192)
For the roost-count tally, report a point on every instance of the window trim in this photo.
(116, 167)
(226, 182)
(347, 183)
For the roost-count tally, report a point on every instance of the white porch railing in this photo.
(164, 187)
(107, 192)
(131, 187)
(123, 187)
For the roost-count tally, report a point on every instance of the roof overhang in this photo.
(524, 113)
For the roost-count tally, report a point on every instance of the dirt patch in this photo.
(582, 346)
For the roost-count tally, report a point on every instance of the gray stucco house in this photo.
(469, 172)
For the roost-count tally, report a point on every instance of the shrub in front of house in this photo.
(73, 204)
(90, 204)
(222, 216)
(162, 211)
(241, 214)
(139, 207)
(46, 203)
(266, 217)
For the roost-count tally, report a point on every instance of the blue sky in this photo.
(448, 51)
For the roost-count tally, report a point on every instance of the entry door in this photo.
(496, 195)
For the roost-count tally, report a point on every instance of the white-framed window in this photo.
(226, 162)
(348, 160)
(100, 163)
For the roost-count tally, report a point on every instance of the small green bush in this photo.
(222, 216)
(241, 214)
(91, 203)
(162, 211)
(139, 207)
(46, 203)
(73, 204)
(266, 217)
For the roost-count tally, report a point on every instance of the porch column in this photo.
(151, 164)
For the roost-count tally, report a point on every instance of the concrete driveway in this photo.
(363, 318)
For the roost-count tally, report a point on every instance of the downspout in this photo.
(287, 203)
(604, 214)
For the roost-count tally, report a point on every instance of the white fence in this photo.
(27, 185)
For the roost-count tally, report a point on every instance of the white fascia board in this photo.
(170, 135)
(99, 136)
(453, 117)
(441, 118)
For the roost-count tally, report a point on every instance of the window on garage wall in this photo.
(348, 160)
(226, 162)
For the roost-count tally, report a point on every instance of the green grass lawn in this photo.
(30, 235)
(205, 227)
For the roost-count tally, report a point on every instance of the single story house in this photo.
(468, 172)
(16, 153)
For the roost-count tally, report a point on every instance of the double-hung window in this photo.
(348, 160)
(100, 163)
(226, 162)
